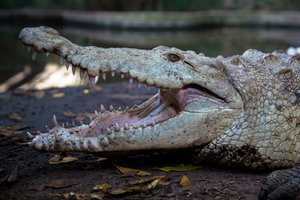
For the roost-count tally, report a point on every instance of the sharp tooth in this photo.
(81, 123)
(111, 108)
(126, 127)
(104, 76)
(67, 65)
(92, 80)
(47, 54)
(73, 69)
(82, 73)
(102, 108)
(73, 123)
(55, 121)
(96, 113)
(113, 73)
(108, 130)
(29, 135)
(119, 109)
(117, 127)
(67, 123)
(130, 80)
(127, 108)
(63, 125)
(104, 142)
(61, 60)
(28, 49)
(56, 136)
(122, 75)
(47, 128)
(33, 57)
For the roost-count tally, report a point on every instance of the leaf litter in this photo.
(57, 159)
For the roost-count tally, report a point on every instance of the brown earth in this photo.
(26, 173)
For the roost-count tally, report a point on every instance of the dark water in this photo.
(14, 57)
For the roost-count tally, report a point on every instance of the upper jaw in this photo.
(155, 67)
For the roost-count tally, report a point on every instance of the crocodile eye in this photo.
(173, 57)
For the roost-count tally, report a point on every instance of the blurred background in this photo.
(214, 27)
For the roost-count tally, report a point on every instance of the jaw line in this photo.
(192, 116)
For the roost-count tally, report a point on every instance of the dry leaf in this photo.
(39, 94)
(103, 187)
(85, 91)
(58, 95)
(125, 170)
(8, 131)
(185, 181)
(145, 180)
(60, 183)
(179, 168)
(101, 159)
(69, 114)
(138, 188)
(118, 191)
(57, 159)
(79, 116)
(14, 116)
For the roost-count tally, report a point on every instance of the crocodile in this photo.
(239, 111)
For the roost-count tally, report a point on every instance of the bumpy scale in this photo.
(237, 111)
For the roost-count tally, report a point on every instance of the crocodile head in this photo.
(196, 103)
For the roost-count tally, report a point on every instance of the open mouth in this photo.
(180, 103)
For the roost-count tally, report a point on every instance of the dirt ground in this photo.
(27, 174)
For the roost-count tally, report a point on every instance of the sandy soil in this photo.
(26, 173)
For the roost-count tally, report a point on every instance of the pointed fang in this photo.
(130, 80)
(111, 108)
(29, 135)
(55, 121)
(73, 69)
(47, 54)
(104, 76)
(67, 65)
(102, 108)
(126, 127)
(56, 136)
(92, 80)
(82, 73)
(117, 127)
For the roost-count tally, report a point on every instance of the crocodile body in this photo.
(241, 111)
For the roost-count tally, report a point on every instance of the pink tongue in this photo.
(188, 95)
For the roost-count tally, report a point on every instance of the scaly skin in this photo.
(237, 111)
